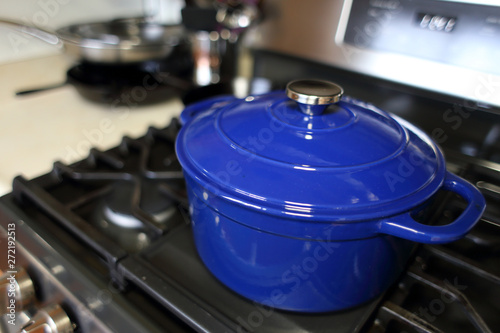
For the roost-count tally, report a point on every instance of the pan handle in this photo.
(404, 226)
(37, 90)
(44, 35)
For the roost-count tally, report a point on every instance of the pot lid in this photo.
(309, 152)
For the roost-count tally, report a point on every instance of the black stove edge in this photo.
(23, 187)
(82, 299)
(167, 293)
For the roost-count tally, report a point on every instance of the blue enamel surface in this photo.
(192, 110)
(296, 274)
(333, 117)
(352, 168)
(336, 139)
(406, 227)
(345, 265)
(311, 227)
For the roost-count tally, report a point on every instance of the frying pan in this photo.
(144, 82)
(118, 41)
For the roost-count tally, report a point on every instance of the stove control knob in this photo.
(51, 319)
(313, 96)
(16, 291)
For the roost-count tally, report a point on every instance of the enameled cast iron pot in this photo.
(304, 200)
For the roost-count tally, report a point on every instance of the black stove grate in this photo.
(71, 194)
(453, 287)
(149, 247)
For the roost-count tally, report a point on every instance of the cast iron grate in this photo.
(446, 288)
(138, 170)
(453, 287)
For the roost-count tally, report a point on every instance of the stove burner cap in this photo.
(122, 201)
(122, 220)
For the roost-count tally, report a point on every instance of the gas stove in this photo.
(107, 240)
(104, 243)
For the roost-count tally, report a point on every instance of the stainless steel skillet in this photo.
(115, 42)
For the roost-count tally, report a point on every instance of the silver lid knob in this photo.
(314, 96)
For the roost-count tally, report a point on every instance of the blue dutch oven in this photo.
(303, 200)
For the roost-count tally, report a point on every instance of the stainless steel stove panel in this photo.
(319, 31)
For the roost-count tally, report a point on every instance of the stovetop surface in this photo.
(159, 257)
(132, 262)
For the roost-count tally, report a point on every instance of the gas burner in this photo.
(117, 208)
(142, 182)
(118, 201)
(117, 216)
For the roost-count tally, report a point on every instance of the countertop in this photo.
(60, 125)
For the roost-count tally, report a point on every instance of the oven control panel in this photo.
(25, 305)
(33, 296)
(456, 33)
(450, 48)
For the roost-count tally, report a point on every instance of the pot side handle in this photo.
(404, 226)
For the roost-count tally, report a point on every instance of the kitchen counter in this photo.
(59, 124)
